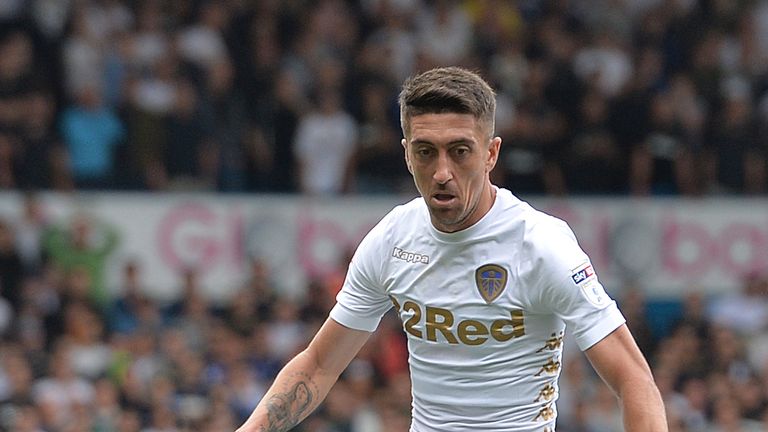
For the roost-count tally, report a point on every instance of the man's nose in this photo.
(443, 169)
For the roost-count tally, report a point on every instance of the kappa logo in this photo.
(411, 257)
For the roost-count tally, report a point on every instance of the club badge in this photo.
(491, 279)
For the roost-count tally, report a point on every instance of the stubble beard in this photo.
(452, 219)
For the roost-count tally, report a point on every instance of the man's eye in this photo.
(461, 151)
(424, 152)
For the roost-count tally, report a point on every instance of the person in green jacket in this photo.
(85, 244)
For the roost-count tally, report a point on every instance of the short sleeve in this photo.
(362, 300)
(567, 284)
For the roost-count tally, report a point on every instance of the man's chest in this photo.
(466, 294)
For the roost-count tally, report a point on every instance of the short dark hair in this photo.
(447, 90)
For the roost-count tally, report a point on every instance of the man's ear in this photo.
(493, 153)
(407, 156)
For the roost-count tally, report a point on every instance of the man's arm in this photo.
(305, 381)
(618, 360)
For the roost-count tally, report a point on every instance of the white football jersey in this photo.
(484, 309)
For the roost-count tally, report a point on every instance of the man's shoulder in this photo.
(521, 212)
(403, 217)
(410, 211)
(539, 229)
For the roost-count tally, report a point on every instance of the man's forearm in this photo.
(296, 392)
(643, 408)
(285, 409)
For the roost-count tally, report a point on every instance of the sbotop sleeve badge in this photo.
(491, 279)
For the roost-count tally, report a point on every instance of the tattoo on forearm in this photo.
(285, 410)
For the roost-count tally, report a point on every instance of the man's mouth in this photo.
(443, 197)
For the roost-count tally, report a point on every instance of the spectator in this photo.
(60, 393)
(264, 363)
(91, 133)
(593, 164)
(528, 162)
(223, 108)
(247, 388)
(727, 416)
(83, 55)
(257, 61)
(190, 397)
(191, 157)
(18, 78)
(11, 269)
(152, 97)
(661, 163)
(605, 63)
(286, 335)
(202, 43)
(290, 105)
(378, 159)
(753, 399)
(242, 315)
(133, 309)
(393, 44)
(145, 374)
(260, 285)
(189, 314)
(86, 244)
(326, 139)
(737, 157)
(19, 81)
(30, 332)
(106, 410)
(89, 355)
(690, 402)
(150, 43)
(694, 313)
(744, 312)
(444, 33)
(15, 378)
(41, 157)
(128, 421)
(26, 419)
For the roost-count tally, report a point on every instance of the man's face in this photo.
(450, 156)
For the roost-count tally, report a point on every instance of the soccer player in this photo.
(484, 284)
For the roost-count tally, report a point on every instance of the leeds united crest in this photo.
(491, 279)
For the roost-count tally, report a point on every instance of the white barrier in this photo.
(664, 246)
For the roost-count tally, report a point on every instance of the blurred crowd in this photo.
(595, 96)
(79, 353)
(641, 97)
